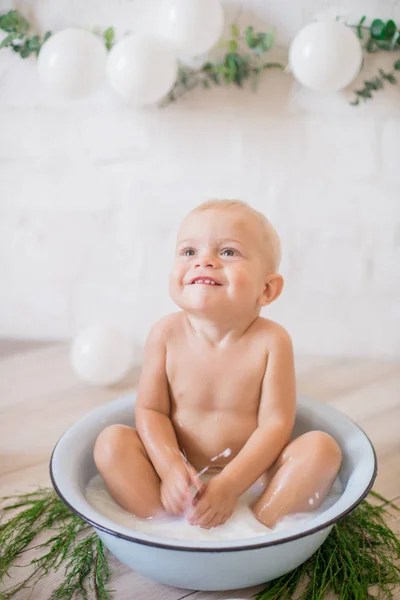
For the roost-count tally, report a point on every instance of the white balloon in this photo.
(72, 63)
(191, 26)
(325, 56)
(141, 69)
(101, 354)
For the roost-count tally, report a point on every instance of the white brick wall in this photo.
(91, 193)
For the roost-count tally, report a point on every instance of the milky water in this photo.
(241, 525)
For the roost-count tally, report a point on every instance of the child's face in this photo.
(227, 248)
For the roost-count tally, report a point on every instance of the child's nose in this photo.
(206, 260)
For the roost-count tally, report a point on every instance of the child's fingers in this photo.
(178, 498)
(181, 486)
(207, 519)
(202, 507)
(224, 519)
(168, 505)
(173, 500)
(173, 507)
(216, 521)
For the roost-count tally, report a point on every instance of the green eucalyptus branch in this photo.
(375, 84)
(379, 36)
(109, 37)
(18, 37)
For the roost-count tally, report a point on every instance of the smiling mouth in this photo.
(205, 281)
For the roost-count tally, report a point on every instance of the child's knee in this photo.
(325, 449)
(110, 444)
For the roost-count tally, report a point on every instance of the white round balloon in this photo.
(101, 354)
(141, 69)
(325, 56)
(72, 63)
(191, 26)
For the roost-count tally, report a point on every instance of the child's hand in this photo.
(175, 487)
(215, 506)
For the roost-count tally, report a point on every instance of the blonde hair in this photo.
(271, 238)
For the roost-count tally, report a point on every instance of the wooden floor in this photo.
(40, 398)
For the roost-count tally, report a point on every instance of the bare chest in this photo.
(204, 380)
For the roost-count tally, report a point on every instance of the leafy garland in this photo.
(243, 59)
(361, 551)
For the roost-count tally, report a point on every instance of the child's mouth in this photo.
(204, 281)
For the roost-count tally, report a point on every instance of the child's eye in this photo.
(187, 252)
(228, 252)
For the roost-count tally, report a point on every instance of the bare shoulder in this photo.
(274, 334)
(164, 328)
(280, 367)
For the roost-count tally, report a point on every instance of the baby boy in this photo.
(217, 375)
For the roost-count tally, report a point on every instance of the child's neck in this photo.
(220, 332)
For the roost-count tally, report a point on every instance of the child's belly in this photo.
(204, 434)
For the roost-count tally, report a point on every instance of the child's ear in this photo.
(272, 289)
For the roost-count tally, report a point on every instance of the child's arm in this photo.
(153, 404)
(275, 422)
(276, 417)
(155, 428)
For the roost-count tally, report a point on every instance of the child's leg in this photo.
(127, 471)
(301, 477)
